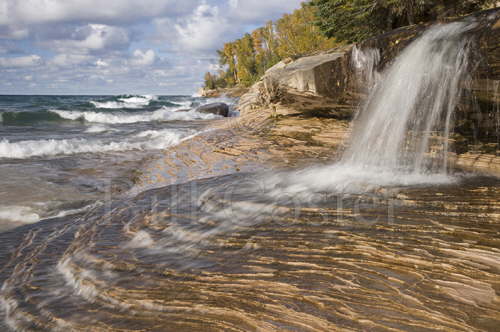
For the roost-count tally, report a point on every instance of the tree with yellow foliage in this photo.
(247, 59)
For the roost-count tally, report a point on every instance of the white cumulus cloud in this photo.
(92, 37)
(204, 29)
(50, 11)
(143, 58)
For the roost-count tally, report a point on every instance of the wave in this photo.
(163, 114)
(138, 99)
(95, 129)
(126, 102)
(51, 147)
(156, 110)
(20, 118)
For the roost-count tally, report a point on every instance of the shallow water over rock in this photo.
(214, 255)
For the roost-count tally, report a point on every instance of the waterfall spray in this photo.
(400, 133)
(413, 101)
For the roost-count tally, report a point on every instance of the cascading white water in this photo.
(409, 108)
(414, 99)
(365, 63)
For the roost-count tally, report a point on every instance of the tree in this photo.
(245, 56)
(210, 81)
(297, 35)
(227, 57)
(247, 59)
(355, 20)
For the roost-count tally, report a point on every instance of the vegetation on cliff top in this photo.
(245, 60)
(356, 20)
(321, 25)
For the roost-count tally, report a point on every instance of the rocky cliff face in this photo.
(328, 86)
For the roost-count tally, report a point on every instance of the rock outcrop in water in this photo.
(221, 109)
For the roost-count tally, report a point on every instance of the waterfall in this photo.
(412, 105)
(400, 133)
(365, 63)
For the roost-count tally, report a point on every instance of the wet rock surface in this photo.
(215, 255)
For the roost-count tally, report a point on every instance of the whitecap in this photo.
(144, 99)
(162, 114)
(96, 129)
(52, 147)
(127, 102)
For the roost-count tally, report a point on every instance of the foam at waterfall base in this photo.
(350, 179)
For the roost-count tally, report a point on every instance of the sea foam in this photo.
(51, 147)
(95, 129)
(127, 102)
(162, 114)
(19, 214)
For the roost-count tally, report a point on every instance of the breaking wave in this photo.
(117, 117)
(126, 102)
(163, 114)
(95, 129)
(150, 140)
(20, 118)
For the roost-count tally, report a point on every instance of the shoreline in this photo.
(234, 92)
(311, 101)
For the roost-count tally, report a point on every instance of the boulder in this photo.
(315, 74)
(321, 85)
(215, 108)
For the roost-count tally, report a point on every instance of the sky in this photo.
(120, 46)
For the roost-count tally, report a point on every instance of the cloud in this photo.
(65, 60)
(13, 32)
(4, 14)
(101, 63)
(97, 11)
(143, 58)
(233, 4)
(203, 29)
(22, 61)
(91, 38)
(120, 46)
(210, 25)
(255, 11)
